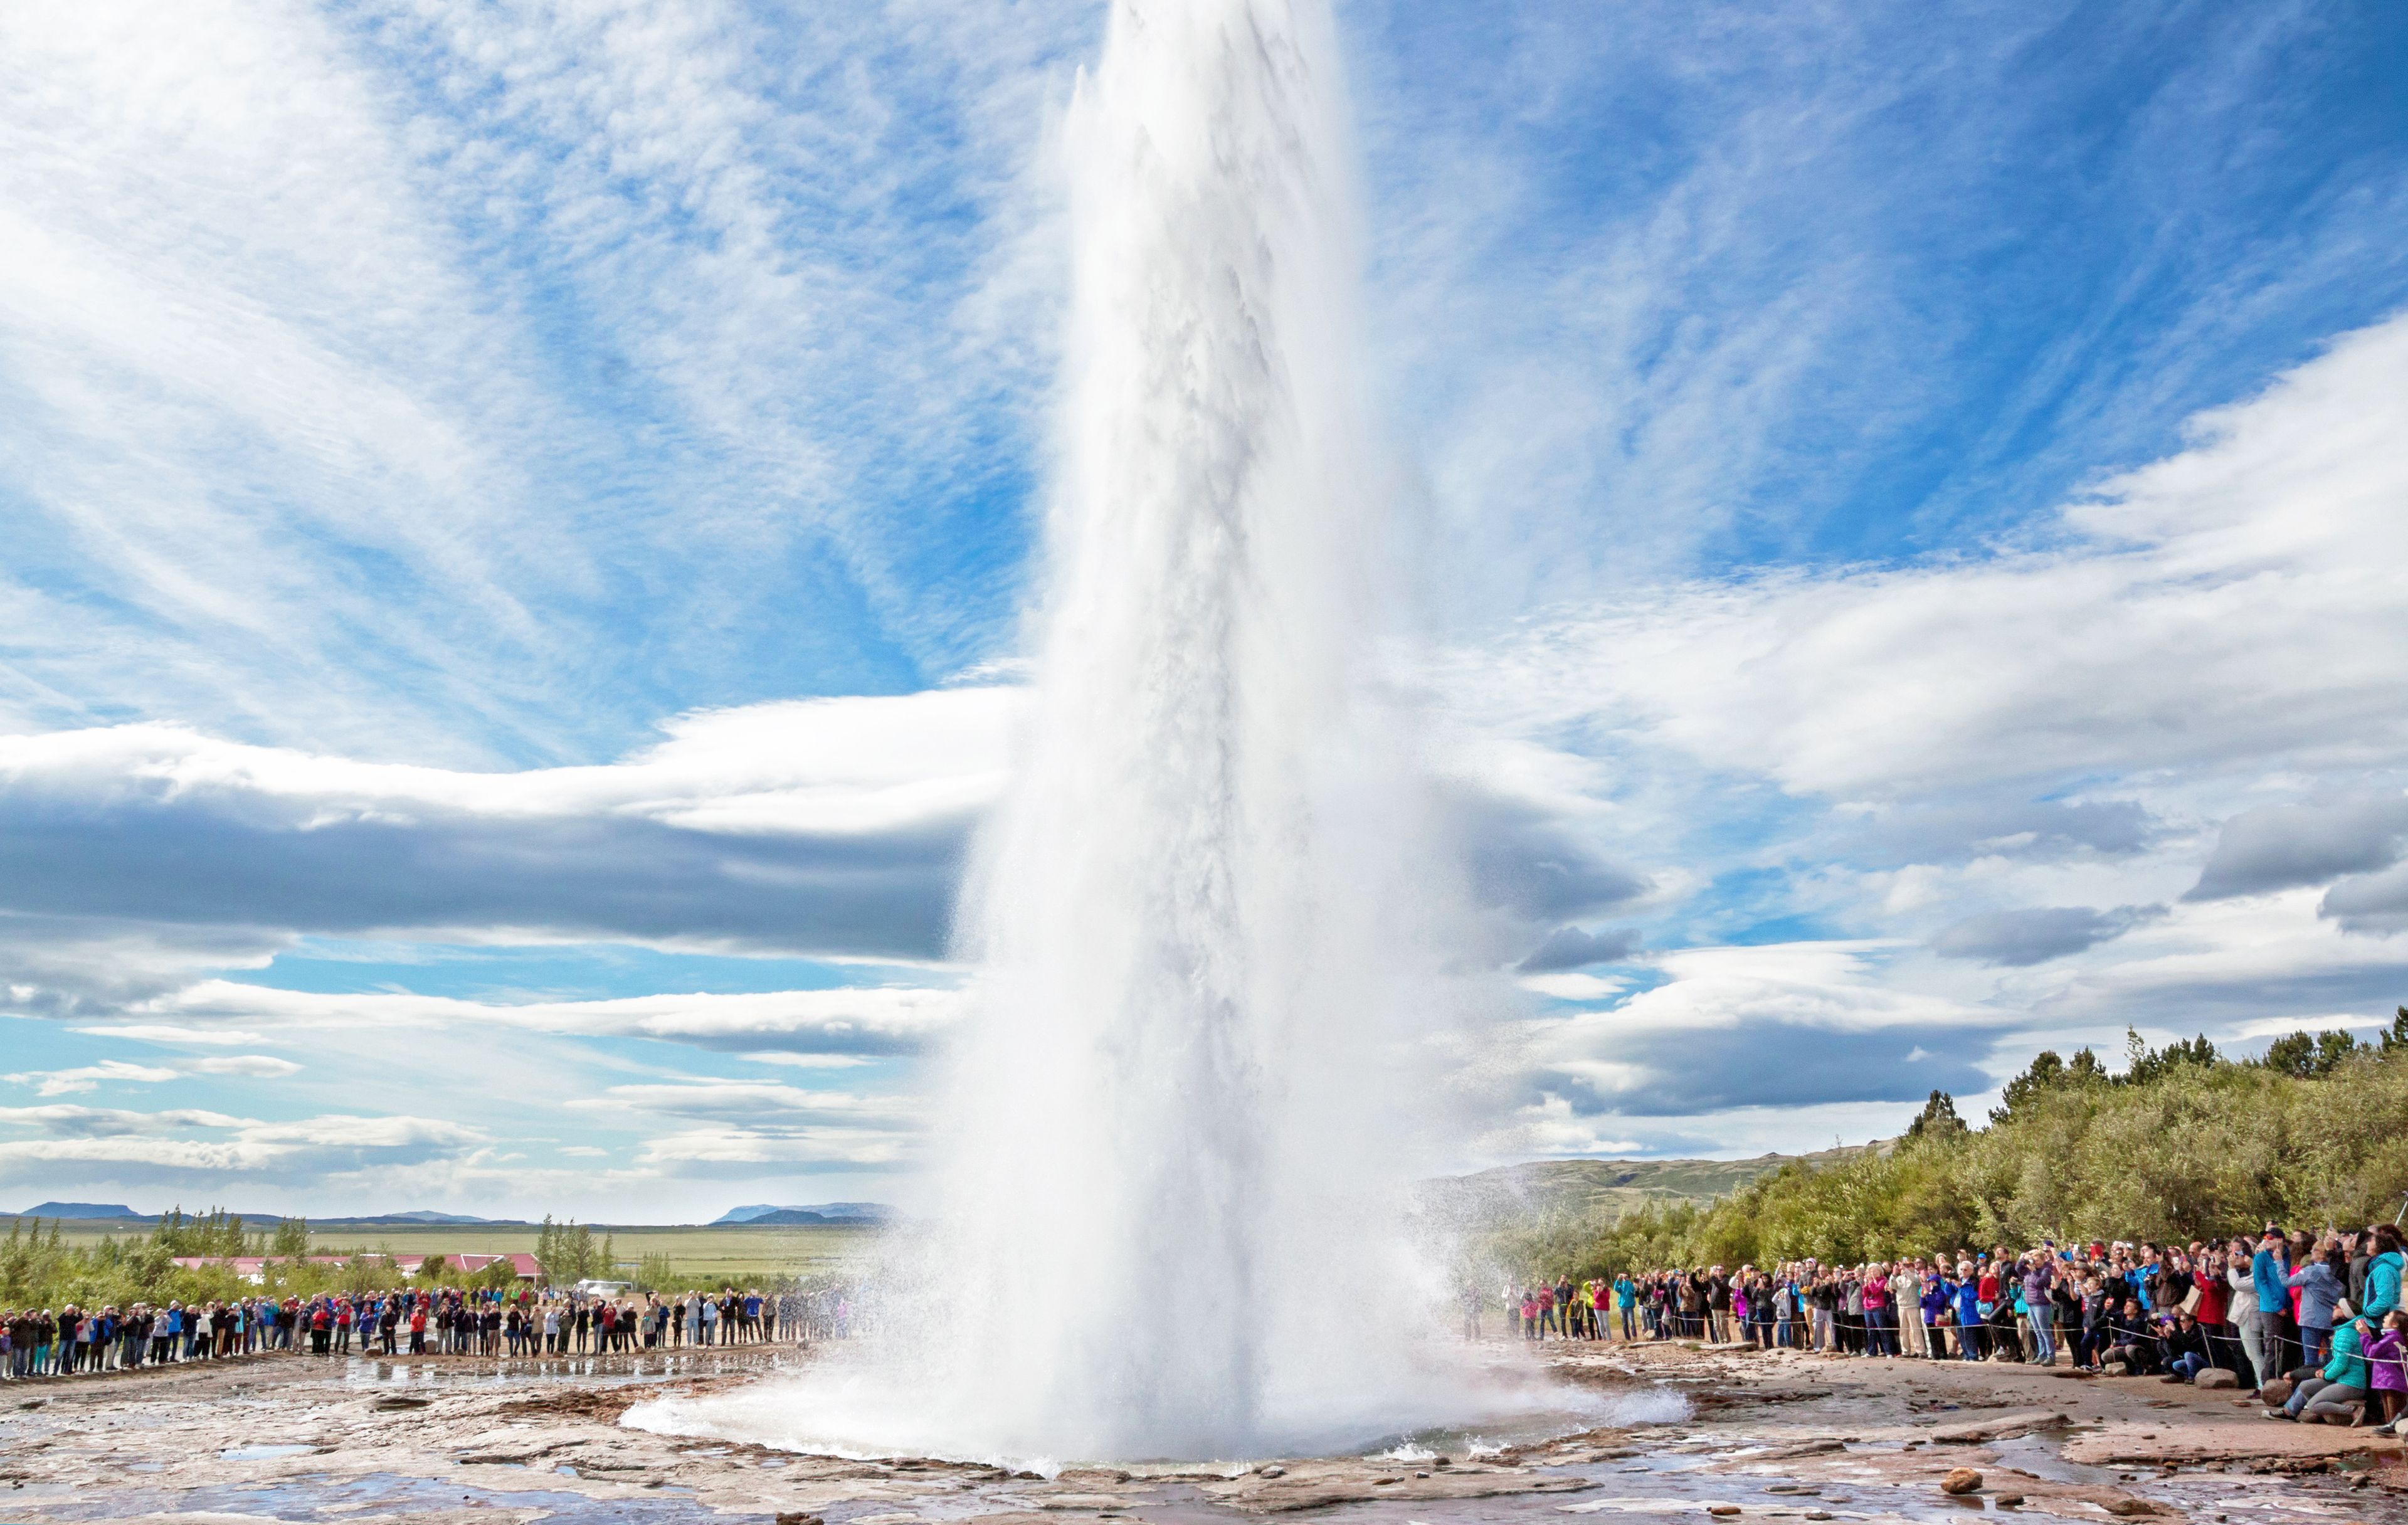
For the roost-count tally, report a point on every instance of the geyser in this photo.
(1209, 918)
(1202, 913)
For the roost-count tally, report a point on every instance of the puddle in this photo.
(314, 1499)
(2045, 1460)
(263, 1453)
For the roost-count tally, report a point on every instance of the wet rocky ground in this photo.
(1790, 1438)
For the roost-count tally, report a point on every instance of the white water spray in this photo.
(1199, 909)
(1208, 919)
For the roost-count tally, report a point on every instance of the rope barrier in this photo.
(1665, 1324)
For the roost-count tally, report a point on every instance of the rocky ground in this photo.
(1793, 1437)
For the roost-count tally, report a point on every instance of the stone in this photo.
(2008, 1501)
(1998, 1427)
(1819, 1514)
(797, 1517)
(1723, 1509)
(1961, 1480)
(2132, 1508)
(2277, 1393)
(1270, 1472)
(2215, 1376)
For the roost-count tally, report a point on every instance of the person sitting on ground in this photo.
(2335, 1394)
(2186, 1350)
(2130, 1340)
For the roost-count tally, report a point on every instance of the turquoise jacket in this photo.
(2382, 1286)
(2347, 1366)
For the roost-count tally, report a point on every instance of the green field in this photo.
(735, 1252)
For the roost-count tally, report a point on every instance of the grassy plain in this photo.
(735, 1252)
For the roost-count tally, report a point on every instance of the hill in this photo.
(120, 1213)
(768, 1214)
(82, 1211)
(1605, 1188)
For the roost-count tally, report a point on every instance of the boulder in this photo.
(1961, 1480)
(2008, 1426)
(2215, 1376)
(2276, 1393)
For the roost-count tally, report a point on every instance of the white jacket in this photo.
(2244, 1295)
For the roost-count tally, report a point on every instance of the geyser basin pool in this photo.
(860, 1416)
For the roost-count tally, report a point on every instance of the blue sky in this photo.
(515, 518)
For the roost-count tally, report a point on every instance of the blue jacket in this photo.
(2319, 1289)
(2266, 1274)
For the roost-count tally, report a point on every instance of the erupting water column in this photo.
(1202, 911)
(1208, 925)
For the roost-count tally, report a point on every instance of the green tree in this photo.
(655, 1272)
(1939, 1115)
(2307, 1057)
(290, 1241)
(2146, 1065)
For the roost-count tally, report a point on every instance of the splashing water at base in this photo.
(1212, 915)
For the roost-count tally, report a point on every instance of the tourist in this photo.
(2338, 1391)
(2387, 1367)
(2321, 1281)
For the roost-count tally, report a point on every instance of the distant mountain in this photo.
(86, 1211)
(1604, 1187)
(119, 1213)
(768, 1214)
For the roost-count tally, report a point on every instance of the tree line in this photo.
(2182, 1143)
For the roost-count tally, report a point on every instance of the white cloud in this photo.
(1573, 987)
(119, 1071)
(160, 1033)
(848, 1021)
(256, 1066)
(2230, 604)
(86, 1077)
(735, 1151)
(759, 1102)
(207, 1149)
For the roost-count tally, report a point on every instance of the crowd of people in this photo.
(437, 1321)
(2320, 1314)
